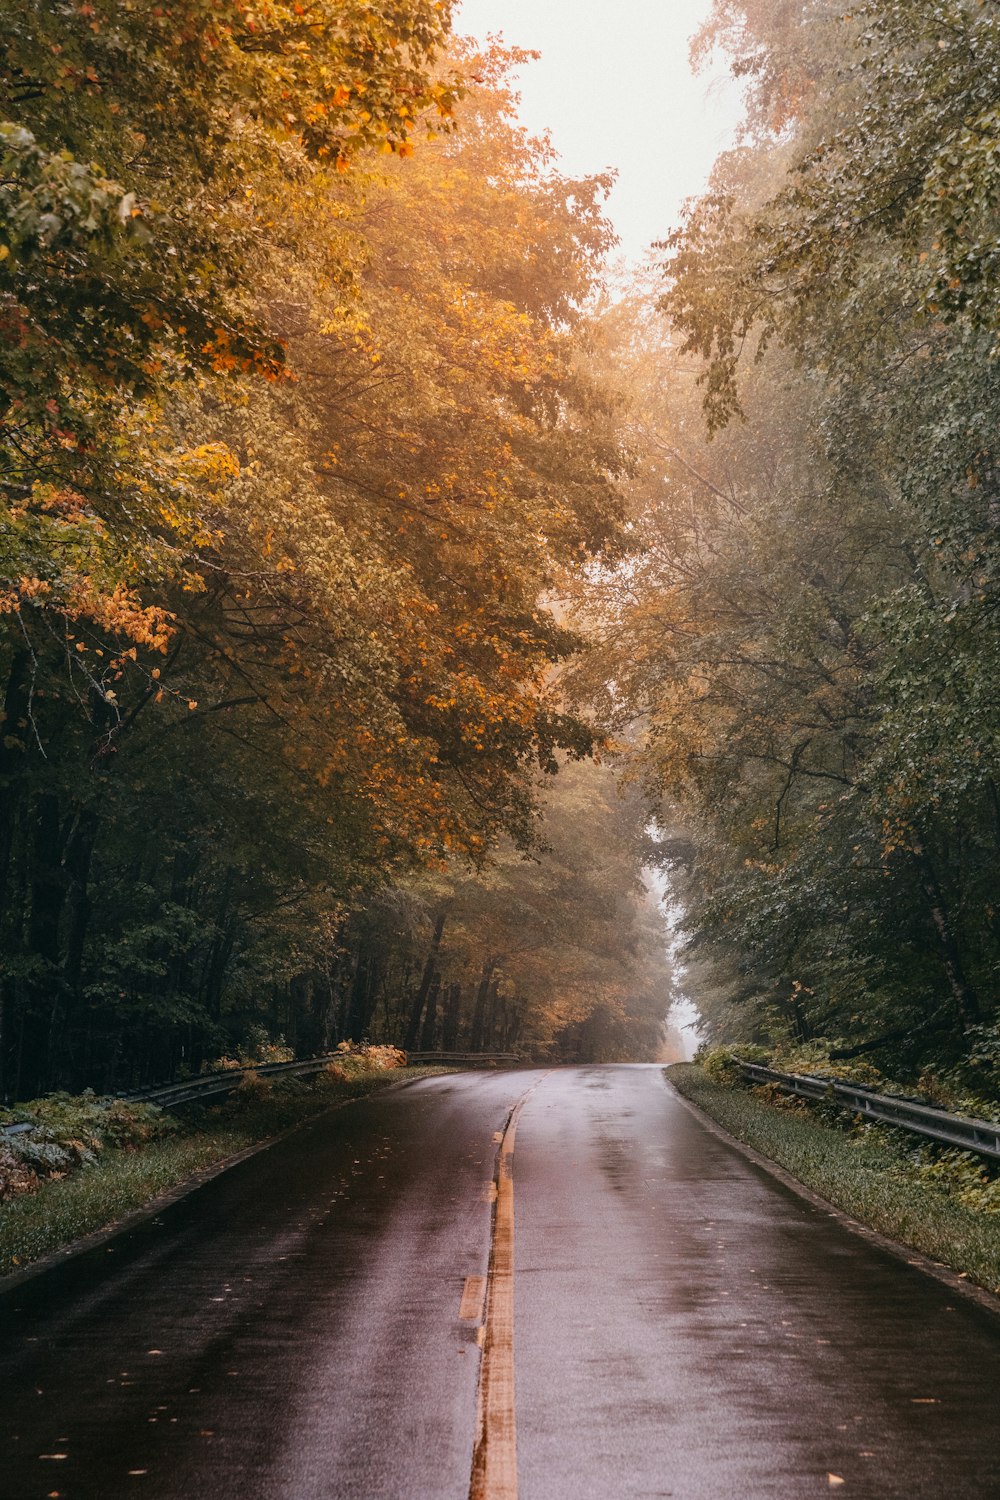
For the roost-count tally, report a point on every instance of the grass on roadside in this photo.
(870, 1173)
(121, 1181)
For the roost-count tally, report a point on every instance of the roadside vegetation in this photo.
(941, 1201)
(88, 1162)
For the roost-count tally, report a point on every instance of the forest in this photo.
(300, 445)
(809, 630)
(388, 587)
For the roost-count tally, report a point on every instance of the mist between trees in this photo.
(314, 406)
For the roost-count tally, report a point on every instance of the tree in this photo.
(829, 601)
(293, 613)
(558, 954)
(119, 280)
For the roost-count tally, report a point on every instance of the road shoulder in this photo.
(190, 1182)
(957, 1281)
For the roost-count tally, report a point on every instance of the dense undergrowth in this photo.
(942, 1202)
(90, 1162)
(968, 1084)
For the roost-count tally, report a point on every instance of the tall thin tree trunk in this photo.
(354, 1008)
(48, 893)
(12, 749)
(426, 979)
(962, 993)
(449, 1023)
(478, 1014)
(430, 1020)
(77, 855)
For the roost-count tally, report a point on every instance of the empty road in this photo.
(663, 1318)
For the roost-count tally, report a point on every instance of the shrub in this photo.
(16, 1177)
(358, 1062)
(814, 1057)
(70, 1131)
(775, 1096)
(96, 1121)
(720, 1066)
(46, 1157)
(251, 1089)
(274, 1052)
(257, 1048)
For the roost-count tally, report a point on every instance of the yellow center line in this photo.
(494, 1459)
(473, 1299)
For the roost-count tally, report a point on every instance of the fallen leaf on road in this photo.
(834, 1481)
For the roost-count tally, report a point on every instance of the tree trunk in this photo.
(362, 999)
(426, 979)
(478, 1014)
(962, 993)
(77, 855)
(449, 1022)
(76, 863)
(430, 1020)
(12, 747)
(47, 895)
(490, 1018)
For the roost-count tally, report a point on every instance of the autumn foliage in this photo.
(299, 442)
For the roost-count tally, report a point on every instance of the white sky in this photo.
(615, 88)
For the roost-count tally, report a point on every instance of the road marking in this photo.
(473, 1299)
(494, 1459)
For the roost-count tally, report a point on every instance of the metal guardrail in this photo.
(463, 1057)
(204, 1086)
(982, 1136)
(209, 1086)
(214, 1085)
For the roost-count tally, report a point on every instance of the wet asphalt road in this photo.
(684, 1325)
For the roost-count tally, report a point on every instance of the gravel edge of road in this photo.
(906, 1253)
(191, 1184)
